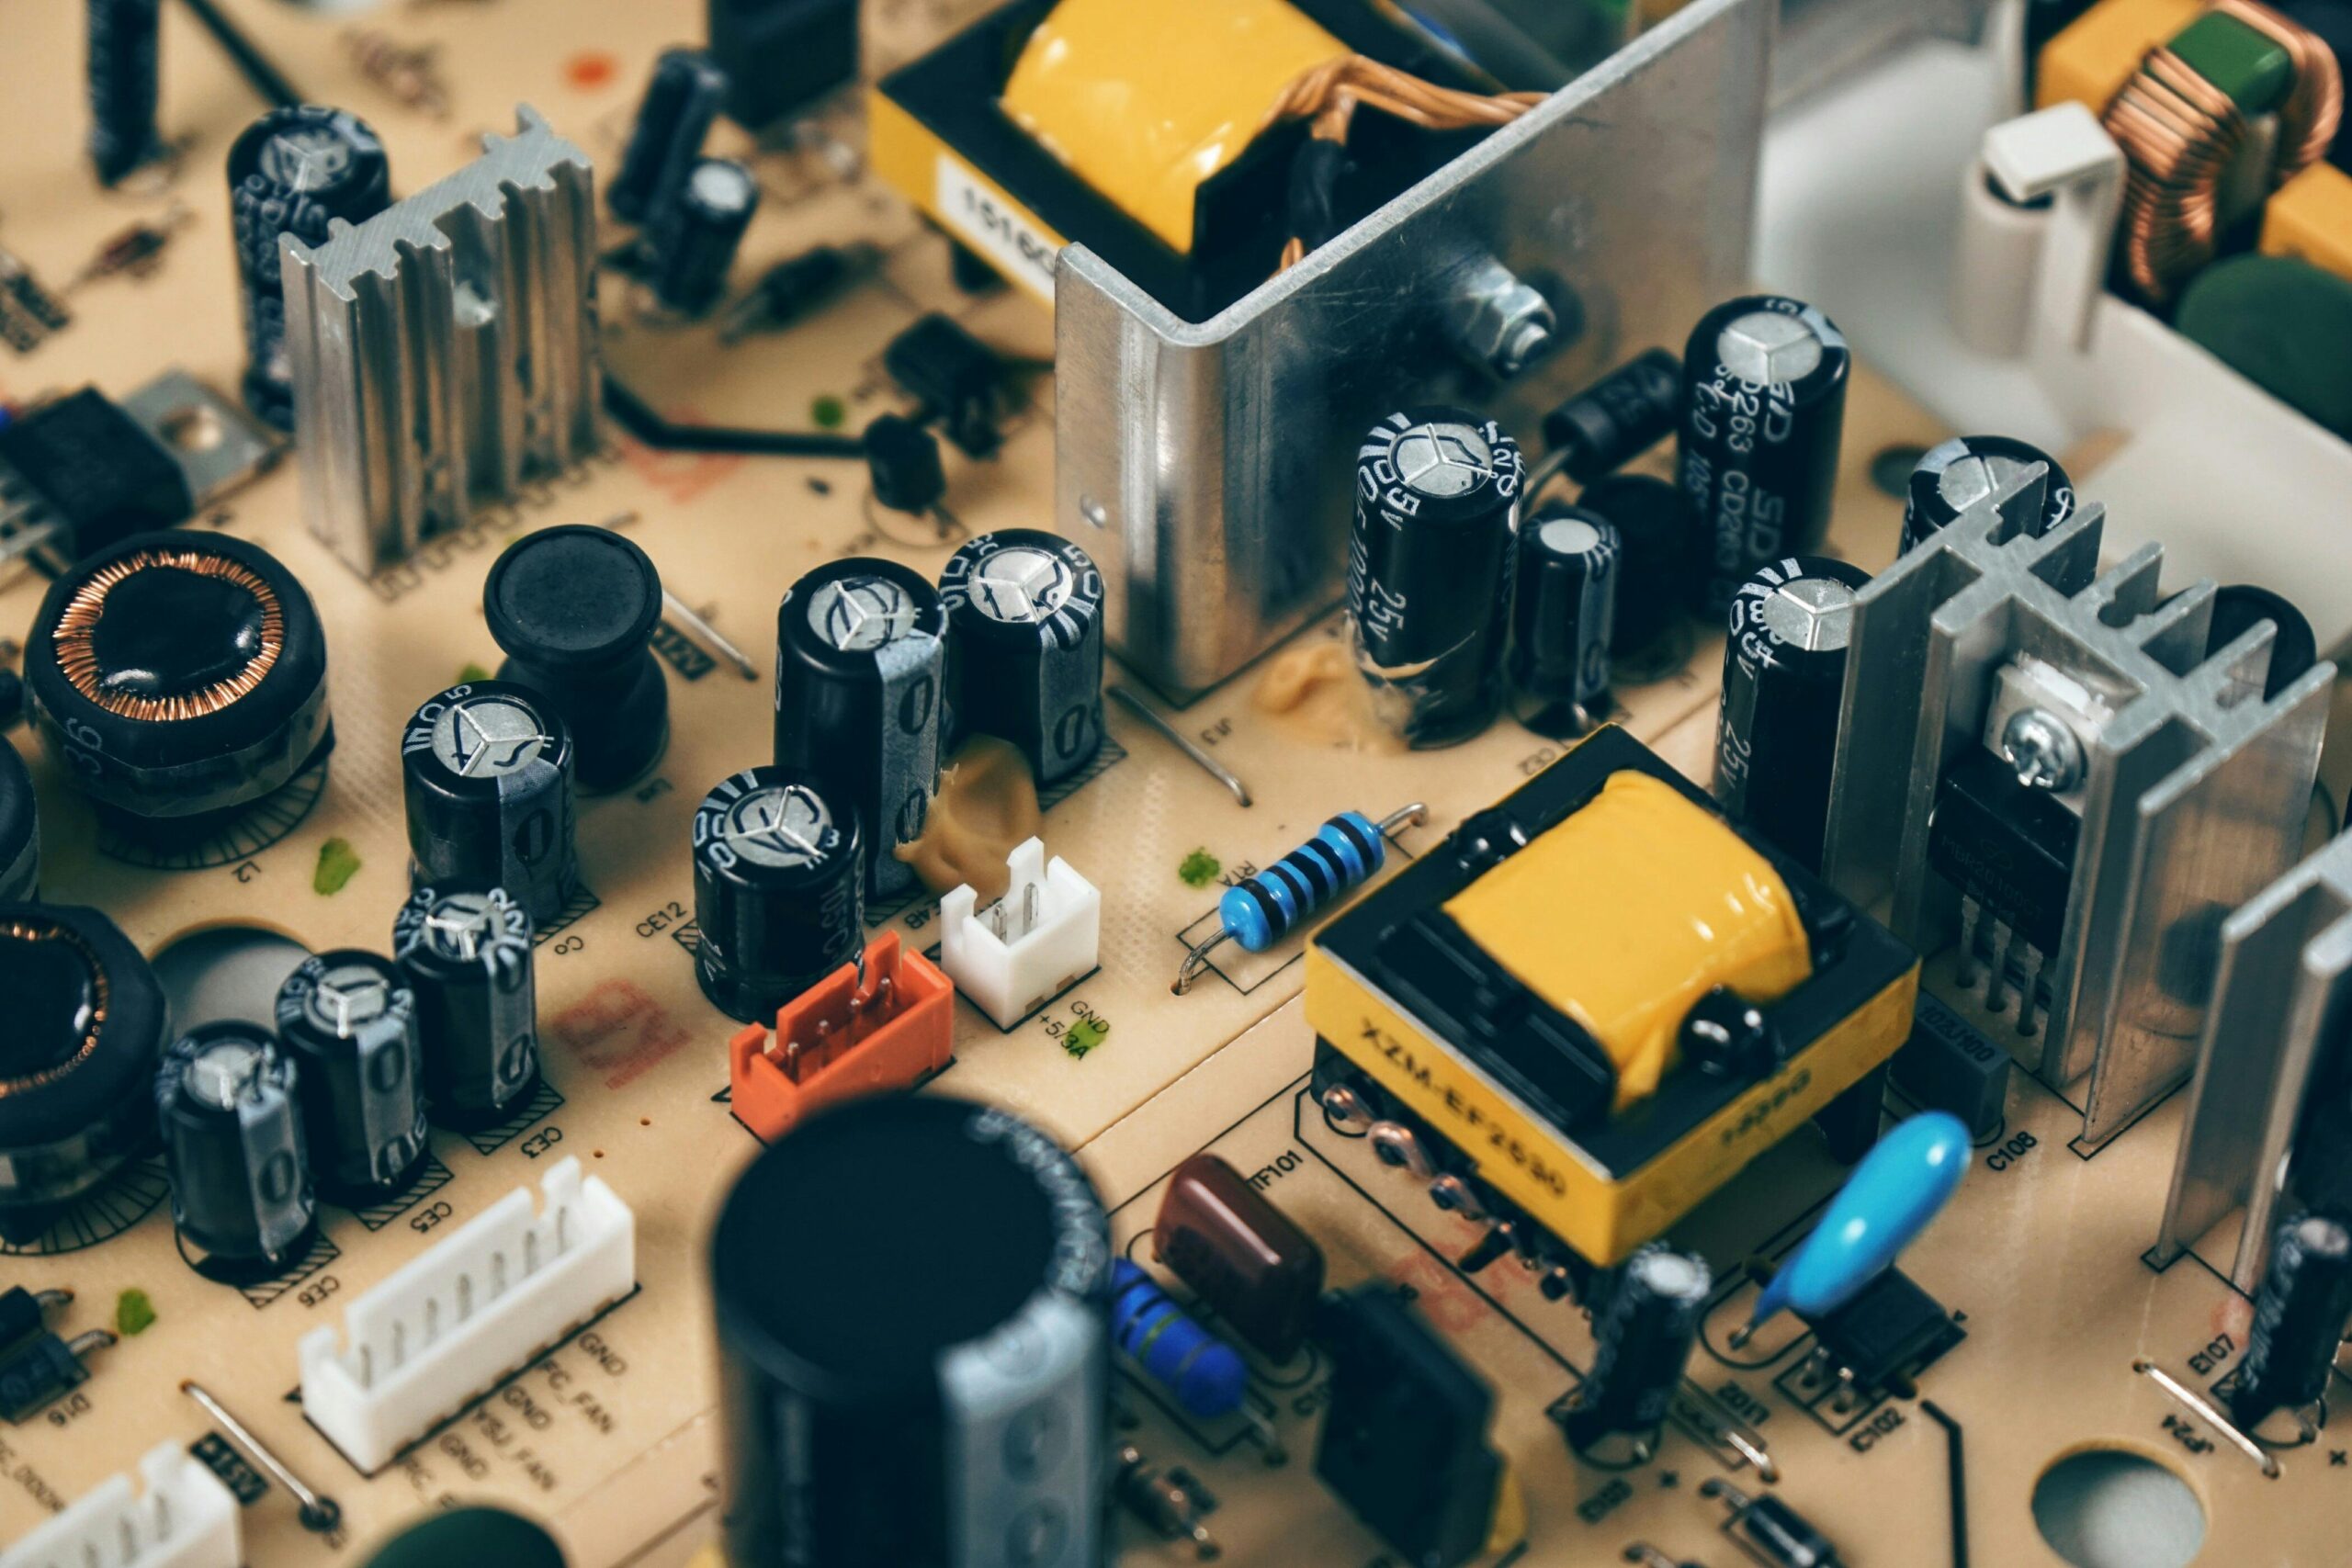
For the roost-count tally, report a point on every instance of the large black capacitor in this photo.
(19, 828)
(1784, 682)
(1965, 469)
(486, 771)
(1763, 411)
(123, 60)
(1642, 1341)
(1659, 556)
(2299, 1317)
(860, 680)
(954, 1411)
(682, 98)
(233, 1145)
(701, 235)
(574, 608)
(294, 171)
(468, 958)
(1562, 613)
(1430, 569)
(349, 1021)
(779, 890)
(1027, 607)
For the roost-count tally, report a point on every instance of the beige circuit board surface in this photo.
(610, 1435)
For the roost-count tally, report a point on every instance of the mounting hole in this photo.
(193, 429)
(2104, 1507)
(1890, 468)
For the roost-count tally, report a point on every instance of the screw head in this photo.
(2043, 750)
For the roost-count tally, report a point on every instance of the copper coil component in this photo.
(93, 1020)
(2314, 106)
(76, 637)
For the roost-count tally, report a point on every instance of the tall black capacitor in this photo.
(860, 680)
(1642, 1341)
(468, 958)
(293, 171)
(1963, 470)
(701, 235)
(1027, 607)
(234, 1147)
(681, 100)
(2299, 1317)
(779, 890)
(1784, 682)
(1658, 556)
(122, 62)
(1763, 412)
(1430, 569)
(486, 771)
(19, 828)
(574, 607)
(1561, 614)
(349, 1021)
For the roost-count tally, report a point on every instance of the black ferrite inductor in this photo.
(1641, 1340)
(294, 171)
(861, 671)
(468, 958)
(1027, 607)
(179, 675)
(486, 773)
(1763, 413)
(233, 1145)
(682, 98)
(349, 1021)
(1963, 470)
(1562, 612)
(1618, 417)
(2298, 1317)
(1656, 555)
(573, 608)
(122, 61)
(701, 235)
(1430, 569)
(19, 828)
(1784, 682)
(779, 890)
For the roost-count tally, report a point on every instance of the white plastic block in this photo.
(185, 1520)
(1017, 954)
(476, 1308)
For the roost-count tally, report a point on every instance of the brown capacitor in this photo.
(1255, 1268)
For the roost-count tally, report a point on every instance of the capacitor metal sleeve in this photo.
(1563, 615)
(235, 1145)
(2299, 1318)
(121, 57)
(467, 957)
(1643, 1339)
(701, 235)
(682, 98)
(1960, 472)
(349, 1019)
(779, 890)
(486, 771)
(1027, 607)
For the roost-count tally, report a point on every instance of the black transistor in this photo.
(954, 376)
(45, 1369)
(780, 55)
(79, 474)
(1889, 1333)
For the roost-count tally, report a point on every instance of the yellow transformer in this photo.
(1599, 1001)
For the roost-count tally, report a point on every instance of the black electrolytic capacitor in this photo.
(1763, 411)
(486, 772)
(1658, 555)
(1430, 569)
(468, 958)
(19, 828)
(1965, 469)
(1784, 682)
(233, 1145)
(779, 890)
(2299, 1318)
(702, 234)
(682, 98)
(294, 171)
(861, 672)
(574, 608)
(1027, 607)
(1618, 417)
(1562, 613)
(2293, 647)
(349, 1021)
(122, 61)
(1642, 1341)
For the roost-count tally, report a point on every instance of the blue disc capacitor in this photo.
(1202, 1372)
(1262, 909)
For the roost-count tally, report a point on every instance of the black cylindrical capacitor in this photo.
(1763, 411)
(1642, 1341)
(2293, 647)
(574, 607)
(486, 771)
(861, 671)
(349, 1021)
(682, 98)
(294, 171)
(19, 828)
(956, 1414)
(1027, 607)
(1784, 682)
(779, 890)
(1965, 469)
(2299, 1315)
(122, 65)
(1562, 613)
(233, 1145)
(1659, 556)
(702, 235)
(468, 958)
(1618, 417)
(1429, 570)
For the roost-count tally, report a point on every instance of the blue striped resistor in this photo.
(1204, 1374)
(1262, 909)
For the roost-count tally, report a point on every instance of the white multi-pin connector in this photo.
(185, 1519)
(449, 1325)
(1042, 937)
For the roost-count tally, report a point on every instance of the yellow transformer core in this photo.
(1145, 100)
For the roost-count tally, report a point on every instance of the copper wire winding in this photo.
(40, 930)
(76, 636)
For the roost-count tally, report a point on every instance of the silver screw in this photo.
(1500, 321)
(2043, 750)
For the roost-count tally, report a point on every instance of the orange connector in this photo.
(839, 1039)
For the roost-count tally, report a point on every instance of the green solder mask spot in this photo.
(338, 864)
(1086, 1034)
(2252, 68)
(133, 1313)
(830, 413)
(1199, 869)
(471, 673)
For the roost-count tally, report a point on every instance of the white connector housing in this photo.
(185, 1520)
(477, 1307)
(1016, 955)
